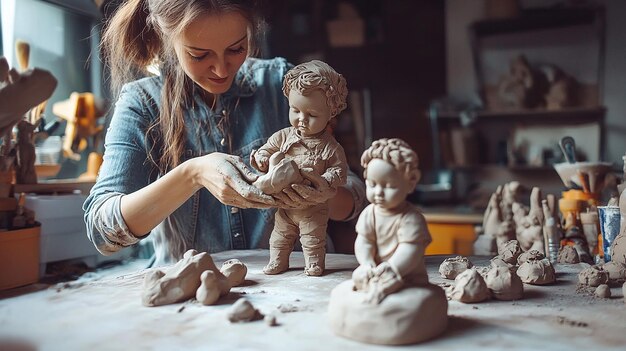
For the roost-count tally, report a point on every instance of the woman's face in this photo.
(212, 48)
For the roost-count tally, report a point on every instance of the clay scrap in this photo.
(243, 311)
(453, 266)
(569, 255)
(504, 284)
(537, 272)
(469, 287)
(194, 275)
(593, 276)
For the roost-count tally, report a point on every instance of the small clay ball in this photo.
(616, 271)
(618, 249)
(469, 287)
(510, 251)
(270, 320)
(235, 271)
(504, 284)
(593, 276)
(568, 254)
(537, 272)
(603, 291)
(624, 291)
(453, 266)
(499, 262)
(534, 255)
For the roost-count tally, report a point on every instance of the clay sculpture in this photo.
(317, 94)
(389, 299)
(470, 287)
(194, 275)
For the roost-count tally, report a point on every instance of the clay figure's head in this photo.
(390, 172)
(316, 93)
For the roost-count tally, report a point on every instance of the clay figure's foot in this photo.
(313, 270)
(275, 267)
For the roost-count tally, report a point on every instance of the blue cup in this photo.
(609, 217)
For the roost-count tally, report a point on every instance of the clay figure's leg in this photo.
(281, 243)
(313, 239)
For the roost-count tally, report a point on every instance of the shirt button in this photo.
(234, 210)
(223, 142)
(223, 112)
(236, 235)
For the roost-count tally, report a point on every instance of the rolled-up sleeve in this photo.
(356, 187)
(123, 171)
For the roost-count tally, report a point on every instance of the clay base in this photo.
(410, 316)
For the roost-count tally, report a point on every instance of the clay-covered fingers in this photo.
(251, 196)
(284, 201)
(243, 169)
(316, 180)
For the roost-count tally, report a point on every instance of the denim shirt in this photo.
(256, 108)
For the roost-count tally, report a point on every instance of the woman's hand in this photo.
(229, 179)
(303, 196)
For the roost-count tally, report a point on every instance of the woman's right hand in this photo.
(229, 179)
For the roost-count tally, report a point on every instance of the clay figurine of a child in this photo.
(389, 299)
(317, 94)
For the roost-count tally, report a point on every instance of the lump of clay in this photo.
(453, 266)
(469, 287)
(537, 272)
(235, 271)
(499, 262)
(532, 255)
(624, 291)
(212, 286)
(243, 311)
(568, 254)
(618, 249)
(483, 271)
(510, 251)
(603, 291)
(593, 276)
(616, 271)
(180, 282)
(504, 284)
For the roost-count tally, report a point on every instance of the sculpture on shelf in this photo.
(19, 92)
(389, 299)
(305, 151)
(81, 111)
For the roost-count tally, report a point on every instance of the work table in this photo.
(104, 311)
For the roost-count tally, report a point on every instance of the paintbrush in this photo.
(22, 50)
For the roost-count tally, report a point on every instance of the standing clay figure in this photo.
(25, 172)
(389, 300)
(531, 235)
(316, 95)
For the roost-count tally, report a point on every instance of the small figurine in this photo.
(25, 172)
(317, 94)
(389, 300)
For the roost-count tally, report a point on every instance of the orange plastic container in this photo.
(19, 257)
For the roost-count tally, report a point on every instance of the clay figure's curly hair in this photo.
(397, 153)
(315, 74)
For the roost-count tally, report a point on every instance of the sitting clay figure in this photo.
(316, 94)
(389, 299)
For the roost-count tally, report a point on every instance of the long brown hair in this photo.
(139, 34)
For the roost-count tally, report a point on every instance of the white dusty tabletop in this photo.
(103, 312)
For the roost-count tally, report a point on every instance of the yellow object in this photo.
(451, 239)
(452, 234)
(81, 112)
(19, 257)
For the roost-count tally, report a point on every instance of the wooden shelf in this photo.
(537, 20)
(574, 115)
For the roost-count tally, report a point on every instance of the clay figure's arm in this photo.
(365, 251)
(406, 257)
(259, 159)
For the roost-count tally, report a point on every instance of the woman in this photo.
(173, 165)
